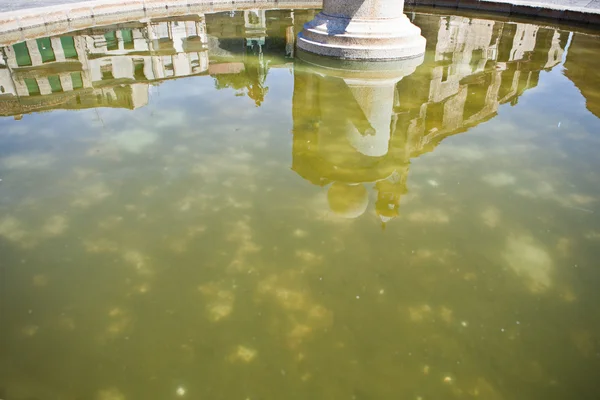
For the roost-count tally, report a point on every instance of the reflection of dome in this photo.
(348, 201)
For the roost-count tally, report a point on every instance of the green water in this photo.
(257, 229)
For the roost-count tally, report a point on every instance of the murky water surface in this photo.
(261, 229)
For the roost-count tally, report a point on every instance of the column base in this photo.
(375, 70)
(362, 39)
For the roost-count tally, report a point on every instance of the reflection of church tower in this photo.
(255, 26)
(343, 136)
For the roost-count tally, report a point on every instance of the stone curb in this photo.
(557, 12)
(20, 25)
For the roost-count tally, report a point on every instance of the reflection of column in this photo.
(555, 52)
(343, 135)
(524, 41)
(290, 38)
(374, 100)
(290, 41)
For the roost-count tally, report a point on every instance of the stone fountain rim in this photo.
(20, 25)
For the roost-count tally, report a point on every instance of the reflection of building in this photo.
(113, 66)
(581, 67)
(344, 135)
(471, 67)
(102, 66)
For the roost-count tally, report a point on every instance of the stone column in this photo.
(362, 30)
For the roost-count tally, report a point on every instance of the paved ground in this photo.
(10, 5)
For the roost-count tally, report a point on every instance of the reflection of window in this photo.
(55, 85)
(68, 45)
(447, 56)
(22, 54)
(127, 35)
(107, 72)
(253, 18)
(32, 86)
(77, 80)
(476, 57)
(168, 67)
(111, 41)
(138, 69)
(477, 96)
(46, 51)
(435, 116)
(445, 72)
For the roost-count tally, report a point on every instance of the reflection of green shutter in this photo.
(32, 86)
(76, 79)
(127, 35)
(138, 70)
(22, 54)
(55, 84)
(68, 45)
(45, 48)
(111, 41)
